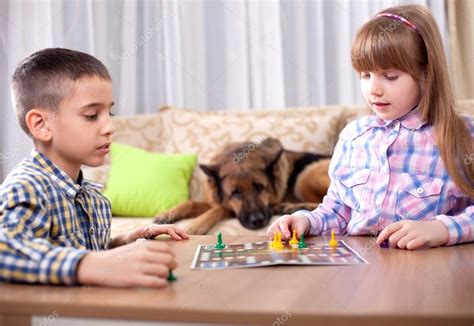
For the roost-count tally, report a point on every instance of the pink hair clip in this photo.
(399, 18)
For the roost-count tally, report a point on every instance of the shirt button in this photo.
(91, 231)
(420, 190)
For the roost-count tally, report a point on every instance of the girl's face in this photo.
(390, 93)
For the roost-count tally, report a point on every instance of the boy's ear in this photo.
(37, 121)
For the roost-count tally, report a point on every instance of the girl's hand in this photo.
(409, 234)
(286, 223)
(149, 232)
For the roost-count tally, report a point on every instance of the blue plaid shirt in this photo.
(48, 222)
(386, 171)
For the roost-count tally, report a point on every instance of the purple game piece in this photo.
(384, 244)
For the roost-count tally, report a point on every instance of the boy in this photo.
(54, 225)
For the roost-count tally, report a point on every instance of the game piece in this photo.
(261, 254)
(171, 277)
(219, 244)
(333, 242)
(384, 244)
(275, 239)
(302, 244)
(277, 244)
(294, 240)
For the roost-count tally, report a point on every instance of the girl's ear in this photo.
(37, 121)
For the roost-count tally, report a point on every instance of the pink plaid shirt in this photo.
(386, 171)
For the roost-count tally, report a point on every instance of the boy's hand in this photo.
(286, 223)
(144, 263)
(149, 232)
(409, 234)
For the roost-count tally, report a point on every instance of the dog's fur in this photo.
(253, 182)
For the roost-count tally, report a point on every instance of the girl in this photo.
(402, 170)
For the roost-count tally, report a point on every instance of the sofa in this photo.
(177, 130)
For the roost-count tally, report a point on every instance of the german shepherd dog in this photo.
(253, 181)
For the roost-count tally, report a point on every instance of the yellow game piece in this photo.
(275, 239)
(294, 240)
(333, 242)
(277, 244)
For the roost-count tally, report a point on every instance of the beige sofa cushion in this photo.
(174, 130)
(206, 133)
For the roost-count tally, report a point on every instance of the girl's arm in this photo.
(444, 230)
(460, 227)
(331, 215)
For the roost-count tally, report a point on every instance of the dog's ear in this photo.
(212, 172)
(270, 168)
(273, 162)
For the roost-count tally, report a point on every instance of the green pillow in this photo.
(142, 183)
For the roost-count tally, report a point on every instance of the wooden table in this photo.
(425, 287)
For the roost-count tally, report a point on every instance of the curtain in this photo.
(461, 42)
(203, 54)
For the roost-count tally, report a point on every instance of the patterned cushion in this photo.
(173, 130)
(206, 133)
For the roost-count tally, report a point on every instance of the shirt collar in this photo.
(411, 120)
(62, 179)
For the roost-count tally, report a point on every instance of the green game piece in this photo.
(171, 277)
(220, 244)
(302, 244)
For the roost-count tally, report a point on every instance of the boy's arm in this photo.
(149, 232)
(25, 253)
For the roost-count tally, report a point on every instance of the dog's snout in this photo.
(255, 220)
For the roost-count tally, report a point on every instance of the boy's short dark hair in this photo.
(43, 78)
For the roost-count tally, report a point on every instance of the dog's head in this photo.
(247, 187)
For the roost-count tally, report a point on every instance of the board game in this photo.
(258, 254)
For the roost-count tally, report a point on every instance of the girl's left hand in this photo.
(150, 232)
(409, 234)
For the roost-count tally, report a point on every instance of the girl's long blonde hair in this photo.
(384, 43)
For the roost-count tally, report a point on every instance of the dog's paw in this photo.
(164, 218)
(197, 229)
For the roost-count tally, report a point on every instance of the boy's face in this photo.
(82, 126)
(390, 93)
